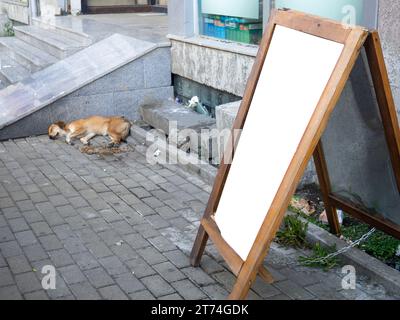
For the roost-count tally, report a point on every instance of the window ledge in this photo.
(219, 44)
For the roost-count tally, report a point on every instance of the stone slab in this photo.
(161, 116)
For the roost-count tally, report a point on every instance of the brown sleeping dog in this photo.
(117, 128)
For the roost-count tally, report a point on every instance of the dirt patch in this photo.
(105, 150)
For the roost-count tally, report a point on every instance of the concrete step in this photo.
(174, 120)
(162, 117)
(63, 29)
(11, 71)
(25, 54)
(49, 40)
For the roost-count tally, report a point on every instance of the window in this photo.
(359, 12)
(234, 20)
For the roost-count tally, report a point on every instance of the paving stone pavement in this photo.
(116, 227)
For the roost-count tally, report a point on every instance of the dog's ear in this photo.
(61, 124)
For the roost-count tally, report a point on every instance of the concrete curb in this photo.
(363, 262)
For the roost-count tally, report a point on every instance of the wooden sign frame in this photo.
(353, 39)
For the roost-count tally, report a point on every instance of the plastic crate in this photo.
(214, 26)
(244, 32)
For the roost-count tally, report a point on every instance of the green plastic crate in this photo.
(246, 33)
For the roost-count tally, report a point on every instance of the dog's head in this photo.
(56, 129)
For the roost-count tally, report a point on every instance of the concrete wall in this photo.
(224, 70)
(16, 11)
(121, 92)
(389, 29)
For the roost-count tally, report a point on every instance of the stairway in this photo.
(34, 48)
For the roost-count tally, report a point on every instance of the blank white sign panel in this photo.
(295, 73)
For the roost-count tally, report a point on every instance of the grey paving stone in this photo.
(85, 260)
(129, 283)
(153, 202)
(98, 277)
(140, 268)
(99, 249)
(109, 236)
(58, 200)
(10, 293)
(173, 296)
(63, 231)
(178, 258)
(215, 292)
(37, 295)
(62, 292)
(198, 276)
(142, 295)
(72, 274)
(136, 241)
(26, 238)
(18, 224)
(10, 249)
(3, 262)
(113, 265)
(158, 222)
(19, 264)
(98, 225)
(38, 197)
(35, 252)
(3, 222)
(146, 230)
(25, 205)
(66, 211)
(6, 234)
(11, 212)
(293, 290)
(74, 245)
(323, 293)
(50, 242)
(188, 290)
(27, 282)
(162, 244)
(113, 293)
(87, 213)
(84, 291)
(124, 252)
(6, 278)
(302, 278)
(169, 272)
(140, 192)
(78, 202)
(151, 255)
(157, 286)
(264, 289)
(122, 227)
(61, 258)
(225, 278)
(280, 297)
(41, 228)
(76, 222)
(209, 265)
(167, 213)
(53, 219)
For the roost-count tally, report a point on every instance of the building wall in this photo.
(16, 10)
(389, 29)
(226, 67)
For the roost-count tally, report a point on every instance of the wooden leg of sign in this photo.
(198, 247)
(325, 185)
(265, 275)
(373, 49)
